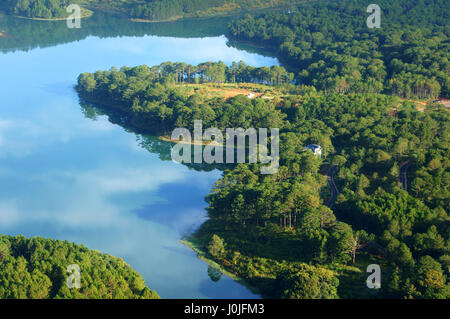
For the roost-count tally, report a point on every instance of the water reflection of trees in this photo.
(147, 141)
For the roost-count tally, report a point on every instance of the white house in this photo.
(316, 149)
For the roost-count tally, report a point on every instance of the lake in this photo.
(69, 176)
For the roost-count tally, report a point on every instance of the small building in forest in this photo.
(316, 149)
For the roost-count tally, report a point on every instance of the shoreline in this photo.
(166, 138)
(201, 254)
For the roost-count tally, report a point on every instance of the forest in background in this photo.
(36, 268)
(276, 231)
(173, 9)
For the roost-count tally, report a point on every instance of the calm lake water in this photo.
(66, 176)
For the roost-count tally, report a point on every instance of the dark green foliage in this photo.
(27, 34)
(37, 268)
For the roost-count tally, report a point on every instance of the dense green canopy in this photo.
(46, 9)
(330, 46)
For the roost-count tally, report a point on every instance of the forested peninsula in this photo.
(36, 268)
(277, 231)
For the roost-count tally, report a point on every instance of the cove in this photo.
(71, 175)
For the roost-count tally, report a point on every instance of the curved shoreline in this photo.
(227, 13)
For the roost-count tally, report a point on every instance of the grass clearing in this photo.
(229, 90)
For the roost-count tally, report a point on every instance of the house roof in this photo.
(313, 146)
